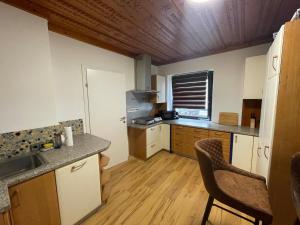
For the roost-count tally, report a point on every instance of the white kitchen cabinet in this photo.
(158, 83)
(144, 143)
(244, 152)
(269, 104)
(165, 136)
(153, 140)
(255, 73)
(78, 189)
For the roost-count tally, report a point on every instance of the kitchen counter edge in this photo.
(204, 125)
(85, 145)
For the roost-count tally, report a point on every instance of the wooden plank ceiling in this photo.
(168, 30)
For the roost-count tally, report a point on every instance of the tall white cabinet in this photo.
(269, 103)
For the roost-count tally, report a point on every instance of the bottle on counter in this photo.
(252, 120)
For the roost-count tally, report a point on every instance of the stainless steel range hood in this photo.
(143, 75)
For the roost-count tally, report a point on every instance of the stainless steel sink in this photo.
(20, 164)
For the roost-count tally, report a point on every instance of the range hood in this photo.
(143, 75)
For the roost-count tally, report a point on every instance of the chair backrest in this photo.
(295, 172)
(210, 158)
(213, 146)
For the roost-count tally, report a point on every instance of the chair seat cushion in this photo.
(250, 192)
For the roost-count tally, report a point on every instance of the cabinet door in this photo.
(254, 154)
(78, 189)
(184, 138)
(267, 126)
(34, 202)
(255, 73)
(5, 218)
(242, 151)
(165, 136)
(153, 140)
(161, 88)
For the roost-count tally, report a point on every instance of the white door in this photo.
(242, 151)
(267, 126)
(106, 96)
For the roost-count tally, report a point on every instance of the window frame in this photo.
(210, 75)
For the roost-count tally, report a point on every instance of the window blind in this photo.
(191, 91)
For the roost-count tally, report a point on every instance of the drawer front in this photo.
(178, 129)
(225, 137)
(153, 134)
(219, 134)
(200, 132)
(152, 149)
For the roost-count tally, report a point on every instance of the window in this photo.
(192, 94)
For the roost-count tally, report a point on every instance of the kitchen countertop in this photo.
(205, 125)
(85, 145)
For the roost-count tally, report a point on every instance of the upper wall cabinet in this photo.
(255, 73)
(158, 83)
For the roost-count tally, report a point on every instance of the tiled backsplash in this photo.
(15, 143)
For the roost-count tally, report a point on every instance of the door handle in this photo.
(123, 119)
(273, 65)
(265, 148)
(258, 149)
(77, 167)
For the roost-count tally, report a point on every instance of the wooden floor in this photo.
(167, 189)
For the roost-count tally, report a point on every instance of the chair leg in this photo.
(207, 210)
(256, 222)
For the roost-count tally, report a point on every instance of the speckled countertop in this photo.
(85, 145)
(205, 125)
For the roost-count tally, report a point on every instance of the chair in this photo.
(295, 172)
(231, 186)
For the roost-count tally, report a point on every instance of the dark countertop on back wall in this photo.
(204, 125)
(85, 145)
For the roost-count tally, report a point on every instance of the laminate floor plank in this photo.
(165, 190)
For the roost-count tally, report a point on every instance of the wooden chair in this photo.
(295, 172)
(232, 186)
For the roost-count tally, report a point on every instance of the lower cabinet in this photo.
(144, 143)
(78, 189)
(184, 138)
(226, 140)
(244, 152)
(5, 218)
(34, 202)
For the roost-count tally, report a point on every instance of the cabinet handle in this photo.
(15, 199)
(152, 146)
(266, 147)
(258, 149)
(78, 167)
(236, 139)
(273, 65)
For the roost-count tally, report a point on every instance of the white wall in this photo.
(229, 70)
(26, 85)
(67, 57)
